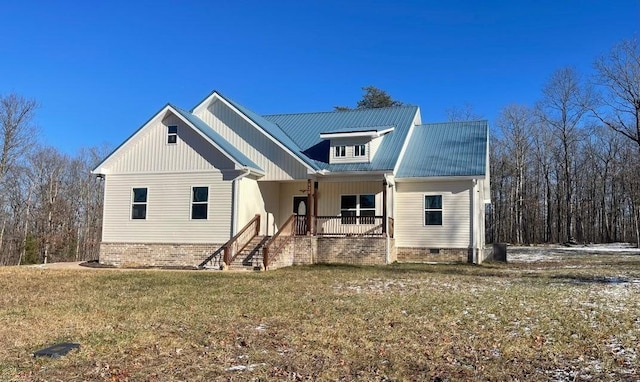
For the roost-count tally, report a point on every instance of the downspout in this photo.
(235, 190)
(474, 251)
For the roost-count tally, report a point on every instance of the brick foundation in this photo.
(352, 250)
(303, 250)
(155, 255)
(443, 255)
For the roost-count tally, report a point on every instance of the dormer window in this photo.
(340, 151)
(172, 134)
(359, 150)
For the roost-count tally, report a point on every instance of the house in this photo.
(220, 184)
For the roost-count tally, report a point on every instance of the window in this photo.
(172, 134)
(139, 203)
(358, 209)
(340, 151)
(433, 210)
(199, 202)
(359, 150)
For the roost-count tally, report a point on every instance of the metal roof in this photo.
(222, 143)
(304, 129)
(446, 149)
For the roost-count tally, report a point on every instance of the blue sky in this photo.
(101, 69)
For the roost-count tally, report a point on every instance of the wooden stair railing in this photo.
(278, 241)
(236, 244)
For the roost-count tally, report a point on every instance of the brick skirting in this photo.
(303, 250)
(436, 255)
(155, 255)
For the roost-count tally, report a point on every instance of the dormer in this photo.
(355, 145)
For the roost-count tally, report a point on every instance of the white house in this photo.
(220, 183)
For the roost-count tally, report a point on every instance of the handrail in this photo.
(287, 230)
(229, 253)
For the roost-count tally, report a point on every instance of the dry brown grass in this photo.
(575, 320)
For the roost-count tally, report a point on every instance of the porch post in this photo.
(315, 207)
(309, 206)
(384, 206)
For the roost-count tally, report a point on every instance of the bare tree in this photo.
(515, 123)
(619, 76)
(563, 106)
(462, 113)
(16, 129)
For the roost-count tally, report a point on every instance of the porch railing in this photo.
(349, 225)
(239, 242)
(277, 242)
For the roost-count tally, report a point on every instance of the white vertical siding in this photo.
(455, 230)
(259, 198)
(149, 151)
(275, 161)
(373, 146)
(168, 209)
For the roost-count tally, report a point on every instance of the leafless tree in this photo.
(619, 77)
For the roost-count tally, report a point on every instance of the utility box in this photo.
(499, 252)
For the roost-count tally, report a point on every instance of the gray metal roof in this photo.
(446, 149)
(228, 148)
(304, 129)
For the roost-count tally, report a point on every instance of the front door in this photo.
(300, 210)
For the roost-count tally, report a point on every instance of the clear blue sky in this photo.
(100, 69)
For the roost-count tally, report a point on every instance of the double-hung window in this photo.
(433, 210)
(172, 134)
(199, 202)
(358, 209)
(340, 151)
(139, 203)
(359, 150)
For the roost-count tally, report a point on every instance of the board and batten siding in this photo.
(410, 230)
(168, 209)
(149, 151)
(274, 160)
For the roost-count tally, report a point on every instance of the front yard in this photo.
(564, 316)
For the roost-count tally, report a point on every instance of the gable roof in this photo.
(305, 128)
(268, 127)
(221, 144)
(446, 149)
(197, 124)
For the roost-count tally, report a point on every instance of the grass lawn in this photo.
(578, 319)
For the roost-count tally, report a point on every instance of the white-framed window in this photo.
(358, 209)
(139, 203)
(340, 151)
(199, 202)
(360, 150)
(433, 210)
(172, 134)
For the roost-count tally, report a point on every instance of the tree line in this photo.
(50, 204)
(567, 168)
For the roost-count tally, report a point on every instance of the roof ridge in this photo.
(342, 111)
